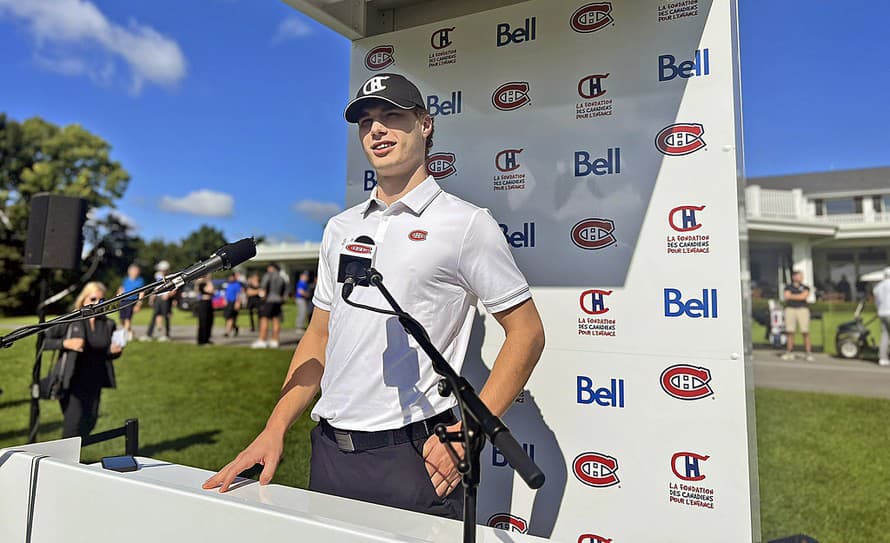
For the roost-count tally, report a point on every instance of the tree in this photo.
(38, 156)
(200, 244)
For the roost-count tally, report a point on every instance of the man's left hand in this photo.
(443, 472)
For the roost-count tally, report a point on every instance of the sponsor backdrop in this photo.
(602, 137)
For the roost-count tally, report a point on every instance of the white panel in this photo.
(603, 301)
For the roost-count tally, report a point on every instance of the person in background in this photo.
(161, 305)
(273, 289)
(254, 300)
(132, 282)
(233, 304)
(90, 350)
(797, 315)
(882, 300)
(204, 286)
(303, 301)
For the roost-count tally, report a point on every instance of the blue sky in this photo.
(228, 112)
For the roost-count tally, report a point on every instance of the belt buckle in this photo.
(344, 441)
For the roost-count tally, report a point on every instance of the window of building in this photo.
(885, 203)
(843, 206)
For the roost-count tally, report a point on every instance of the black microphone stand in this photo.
(88, 311)
(479, 422)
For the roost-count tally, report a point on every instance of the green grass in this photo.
(824, 466)
(823, 459)
(196, 406)
(185, 318)
(822, 331)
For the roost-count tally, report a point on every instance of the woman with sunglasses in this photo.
(88, 368)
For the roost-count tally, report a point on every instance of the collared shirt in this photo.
(882, 298)
(438, 255)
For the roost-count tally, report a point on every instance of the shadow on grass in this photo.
(44, 428)
(180, 443)
(14, 403)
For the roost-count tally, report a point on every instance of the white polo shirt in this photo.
(438, 254)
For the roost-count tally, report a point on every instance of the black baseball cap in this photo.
(392, 88)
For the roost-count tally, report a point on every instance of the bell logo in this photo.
(375, 84)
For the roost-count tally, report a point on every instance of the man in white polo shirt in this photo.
(379, 401)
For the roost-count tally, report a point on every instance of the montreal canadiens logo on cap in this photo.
(680, 139)
(686, 382)
(596, 469)
(510, 96)
(591, 17)
(379, 57)
(593, 234)
(508, 522)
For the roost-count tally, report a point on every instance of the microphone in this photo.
(226, 257)
(356, 258)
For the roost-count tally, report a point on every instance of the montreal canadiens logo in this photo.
(591, 87)
(510, 96)
(596, 469)
(592, 17)
(506, 160)
(441, 165)
(593, 301)
(506, 521)
(687, 466)
(592, 234)
(356, 248)
(379, 57)
(683, 219)
(440, 39)
(680, 139)
(418, 235)
(686, 382)
(593, 538)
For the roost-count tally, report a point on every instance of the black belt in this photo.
(355, 441)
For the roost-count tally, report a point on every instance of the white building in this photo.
(830, 225)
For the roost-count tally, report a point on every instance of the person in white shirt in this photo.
(379, 403)
(882, 300)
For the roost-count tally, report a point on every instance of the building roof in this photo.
(862, 181)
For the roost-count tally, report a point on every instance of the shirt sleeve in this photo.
(486, 266)
(324, 287)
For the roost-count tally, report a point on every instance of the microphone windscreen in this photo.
(238, 252)
(364, 239)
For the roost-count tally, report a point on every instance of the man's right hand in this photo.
(265, 450)
(74, 344)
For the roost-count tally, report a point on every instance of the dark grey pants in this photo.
(394, 476)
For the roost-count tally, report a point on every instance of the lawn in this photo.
(823, 461)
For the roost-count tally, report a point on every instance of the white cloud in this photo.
(292, 28)
(317, 211)
(205, 203)
(66, 31)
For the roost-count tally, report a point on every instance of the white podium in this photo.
(46, 496)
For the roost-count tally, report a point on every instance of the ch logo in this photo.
(591, 87)
(506, 160)
(375, 84)
(440, 38)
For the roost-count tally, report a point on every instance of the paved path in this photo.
(825, 374)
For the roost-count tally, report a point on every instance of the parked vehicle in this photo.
(853, 337)
(188, 299)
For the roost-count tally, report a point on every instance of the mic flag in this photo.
(356, 257)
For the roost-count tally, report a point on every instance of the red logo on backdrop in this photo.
(591, 17)
(680, 139)
(596, 469)
(593, 538)
(691, 469)
(379, 57)
(592, 234)
(418, 235)
(592, 302)
(687, 220)
(440, 38)
(510, 96)
(441, 165)
(506, 160)
(686, 382)
(591, 87)
(506, 521)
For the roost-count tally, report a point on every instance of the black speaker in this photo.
(55, 231)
